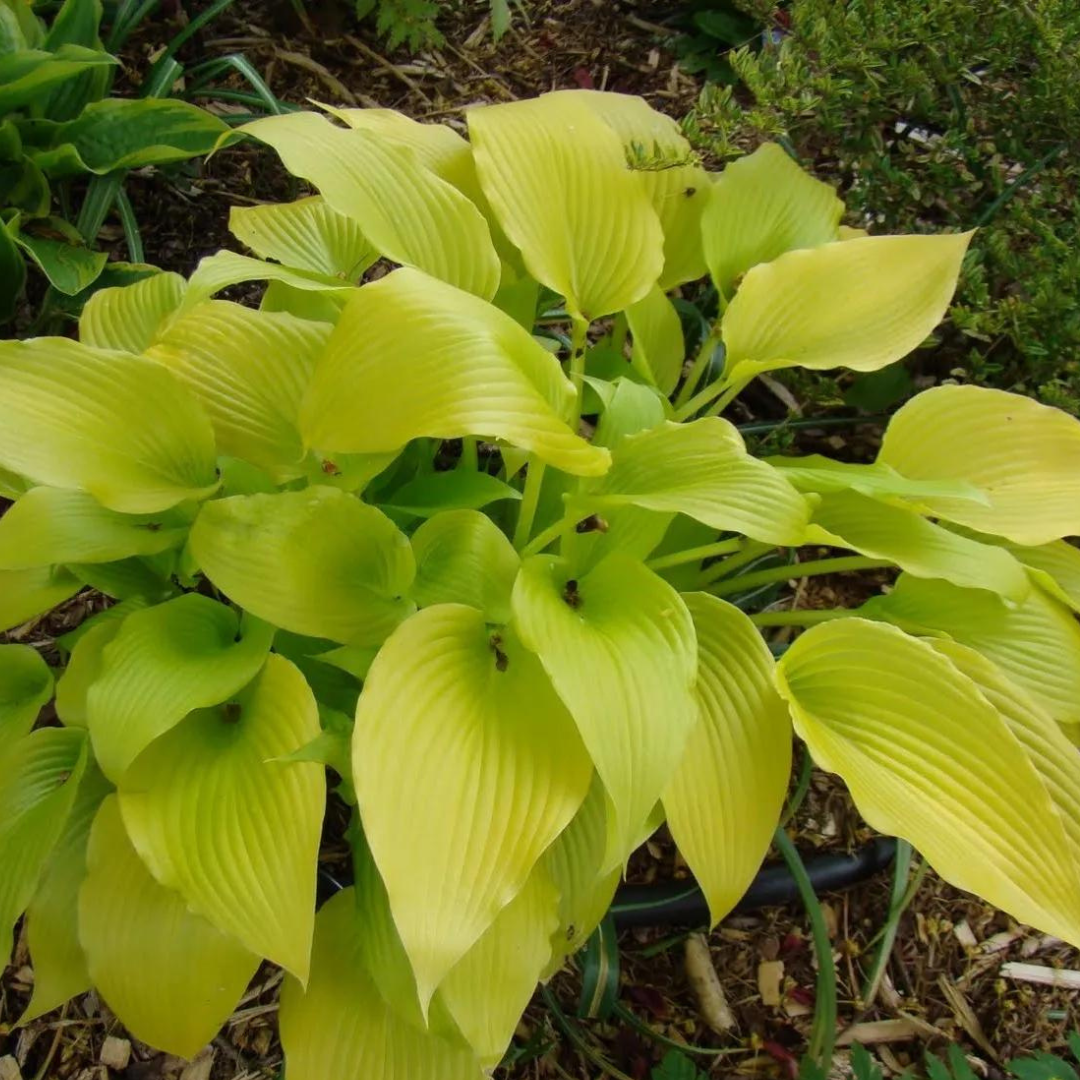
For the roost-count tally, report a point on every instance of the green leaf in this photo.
(69, 265)
(761, 206)
(472, 371)
(119, 427)
(26, 684)
(494, 768)
(12, 275)
(84, 664)
(556, 177)
(630, 409)
(409, 214)
(702, 469)
(316, 562)
(462, 557)
(341, 1026)
(25, 594)
(206, 795)
(859, 304)
(53, 525)
(658, 346)
(676, 1066)
(459, 489)
(725, 797)
(928, 758)
(148, 579)
(39, 776)
(1021, 453)
(163, 663)
(619, 646)
(249, 369)
(76, 23)
(307, 233)
(27, 75)
(127, 318)
(168, 974)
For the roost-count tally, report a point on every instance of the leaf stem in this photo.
(700, 364)
(579, 1042)
(696, 554)
(552, 533)
(797, 570)
(470, 454)
(578, 341)
(530, 499)
(752, 549)
(803, 617)
(700, 400)
(901, 897)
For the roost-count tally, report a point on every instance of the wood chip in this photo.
(880, 1031)
(9, 1069)
(115, 1053)
(1063, 978)
(770, 979)
(1000, 942)
(963, 933)
(712, 1001)
(200, 1067)
(965, 1016)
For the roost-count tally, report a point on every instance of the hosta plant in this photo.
(366, 528)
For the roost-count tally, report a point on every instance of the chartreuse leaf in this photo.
(678, 188)
(886, 531)
(341, 1025)
(619, 646)
(307, 233)
(463, 557)
(39, 776)
(52, 919)
(409, 214)
(488, 989)
(53, 525)
(556, 176)
(412, 356)
(84, 668)
(206, 795)
(927, 757)
(1036, 643)
(127, 317)
(163, 663)
(249, 369)
(725, 797)
(458, 489)
(169, 975)
(760, 206)
(494, 766)
(658, 347)
(27, 593)
(1022, 454)
(26, 684)
(317, 562)
(858, 304)
(119, 427)
(1055, 566)
(27, 75)
(702, 469)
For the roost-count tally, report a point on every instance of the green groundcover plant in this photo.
(365, 527)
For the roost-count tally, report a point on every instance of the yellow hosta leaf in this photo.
(761, 206)
(317, 562)
(462, 557)
(162, 663)
(127, 318)
(340, 1026)
(725, 797)
(26, 684)
(859, 304)
(119, 427)
(308, 234)
(928, 758)
(409, 214)
(557, 178)
(1056, 567)
(702, 469)
(1036, 643)
(169, 975)
(249, 369)
(1023, 455)
(83, 669)
(886, 531)
(53, 525)
(206, 795)
(465, 720)
(52, 919)
(658, 347)
(412, 356)
(619, 646)
(27, 593)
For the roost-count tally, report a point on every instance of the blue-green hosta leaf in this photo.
(725, 797)
(54, 525)
(462, 557)
(412, 356)
(28, 74)
(26, 684)
(458, 489)
(64, 259)
(619, 646)
(169, 975)
(161, 664)
(494, 768)
(25, 594)
(12, 275)
(207, 795)
(317, 562)
(127, 317)
(119, 427)
(658, 346)
(409, 214)
(39, 776)
(341, 1026)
